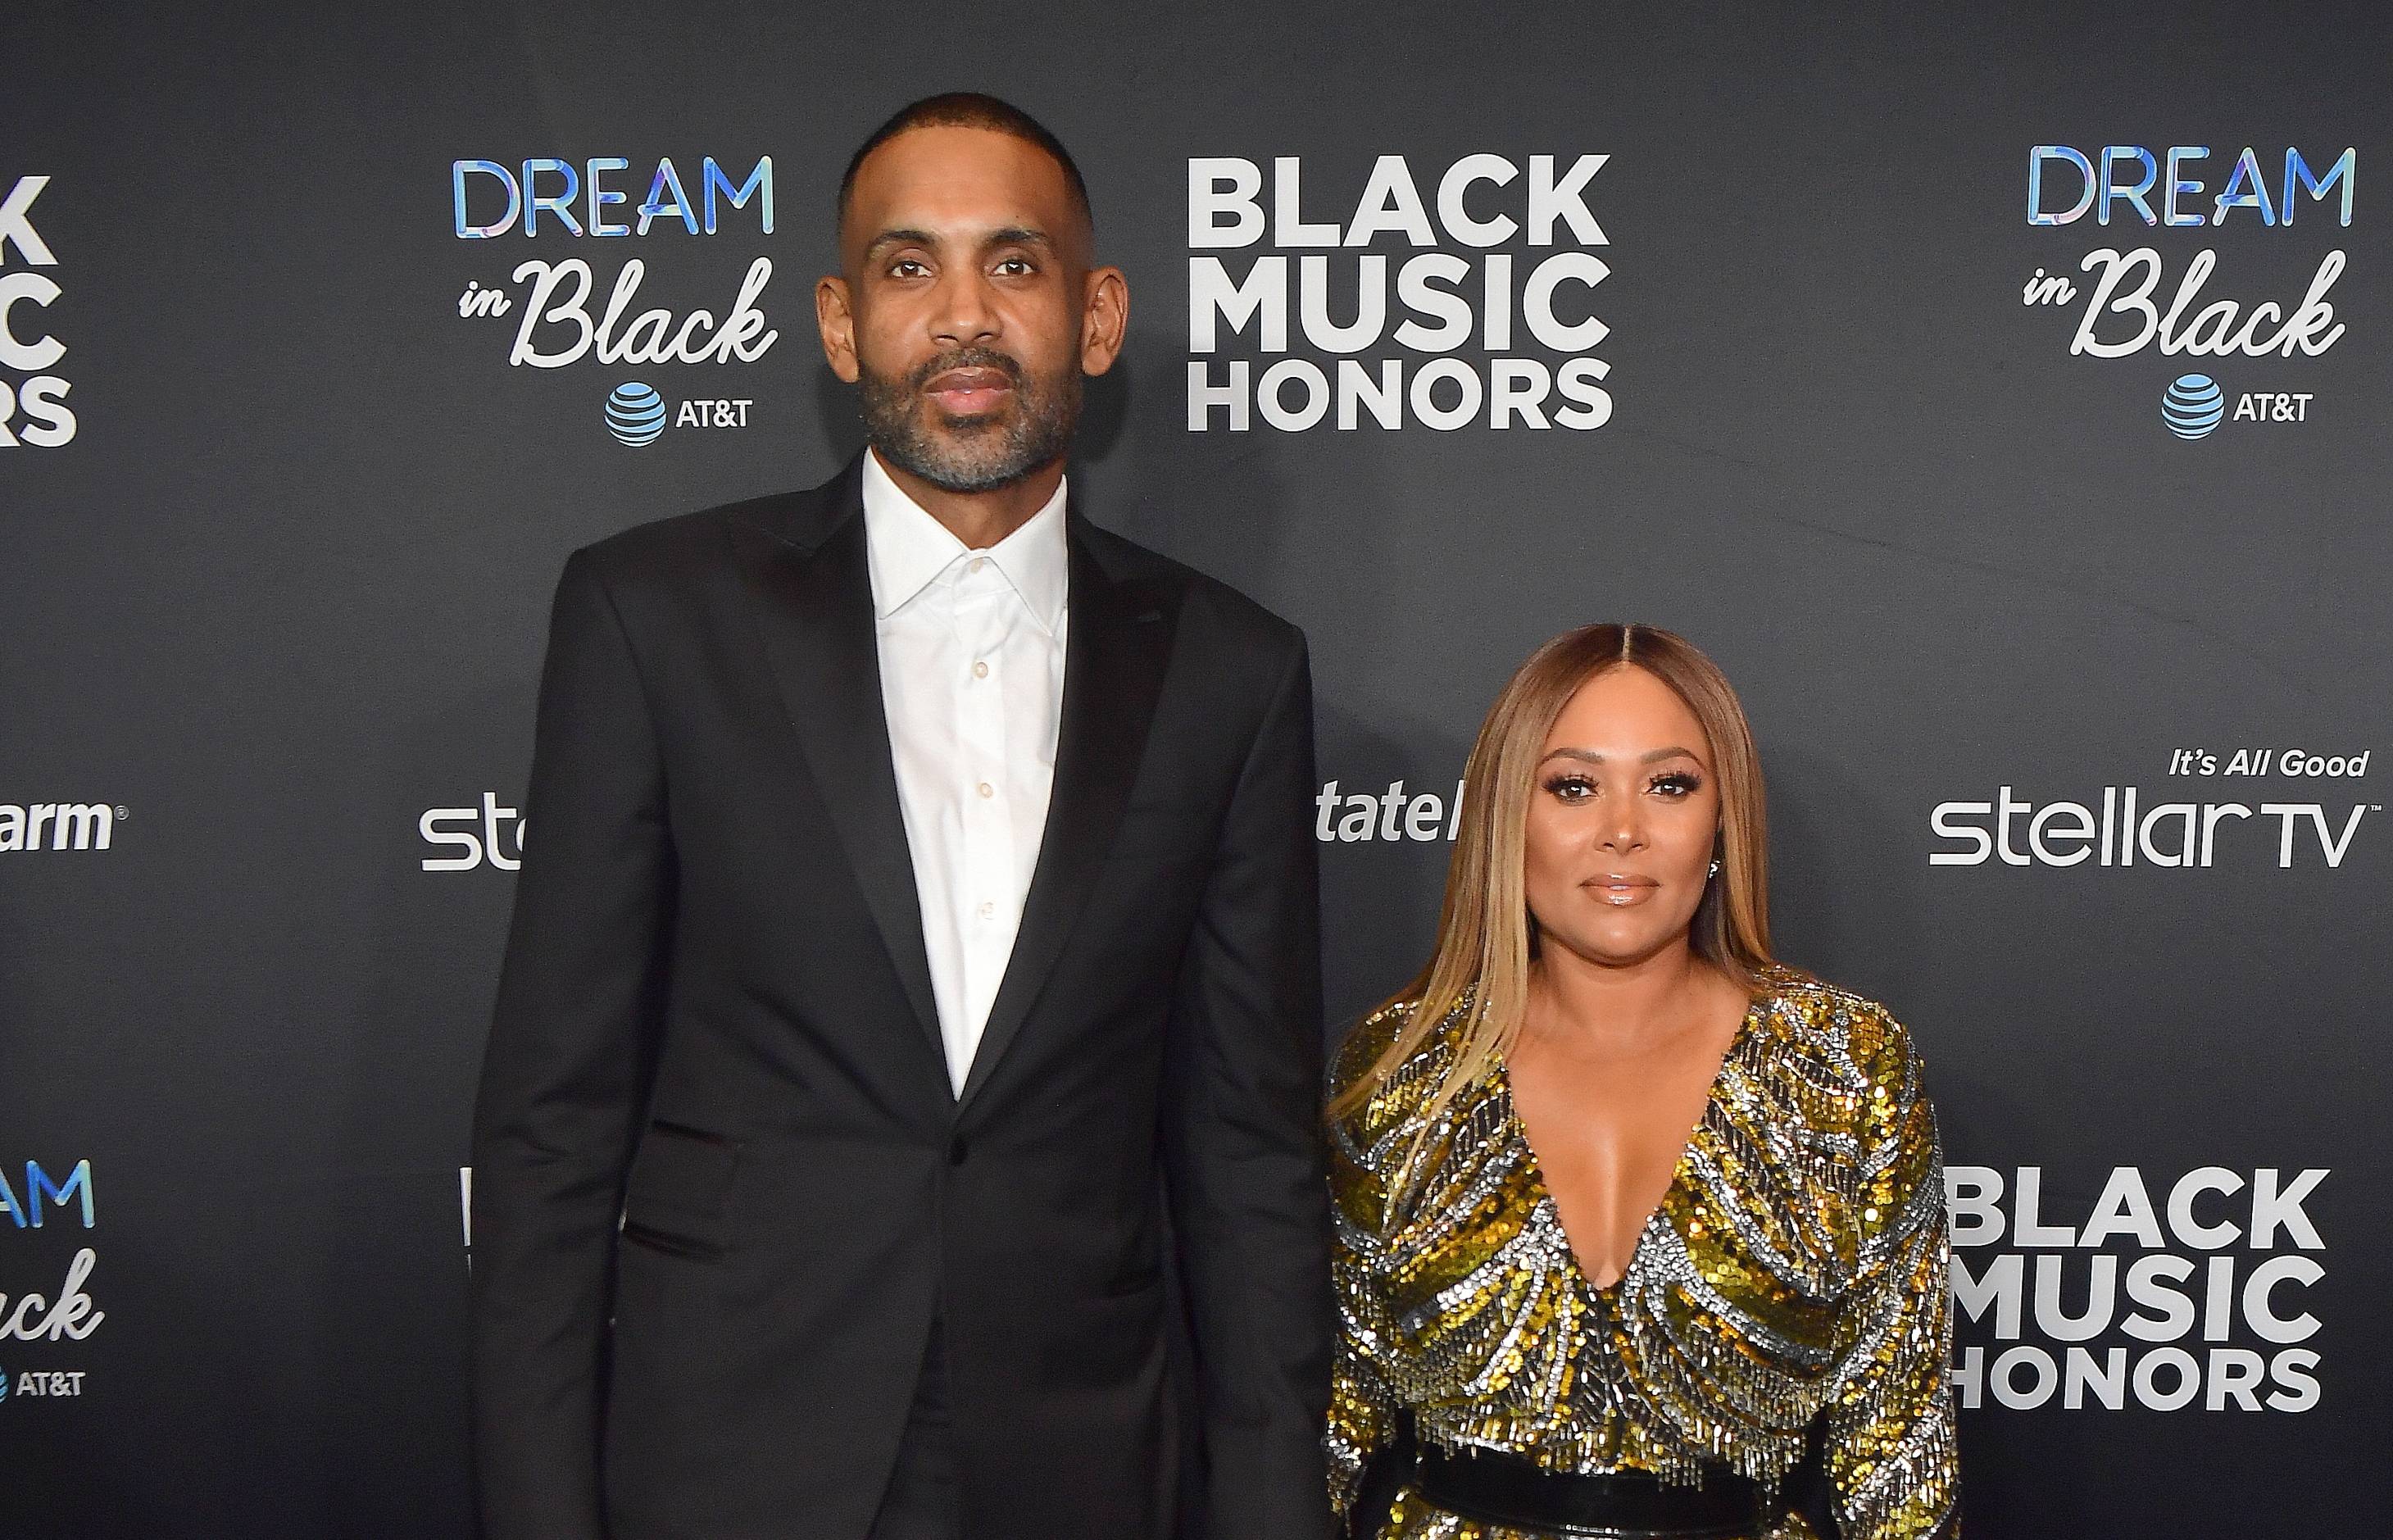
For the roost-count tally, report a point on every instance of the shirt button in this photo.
(977, 563)
(987, 789)
(980, 669)
(989, 911)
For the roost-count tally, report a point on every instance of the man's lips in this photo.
(965, 392)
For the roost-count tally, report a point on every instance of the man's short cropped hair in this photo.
(969, 110)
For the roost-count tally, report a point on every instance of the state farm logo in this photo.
(486, 835)
(1348, 817)
(30, 826)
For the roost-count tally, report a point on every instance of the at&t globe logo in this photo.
(635, 413)
(2191, 408)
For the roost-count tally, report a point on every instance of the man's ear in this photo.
(1105, 318)
(836, 321)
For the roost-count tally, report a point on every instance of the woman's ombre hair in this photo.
(1486, 938)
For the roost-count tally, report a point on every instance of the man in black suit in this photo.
(910, 1018)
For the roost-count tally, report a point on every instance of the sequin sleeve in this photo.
(1891, 1446)
(1362, 1408)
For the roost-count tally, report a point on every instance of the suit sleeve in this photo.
(563, 1081)
(1243, 1144)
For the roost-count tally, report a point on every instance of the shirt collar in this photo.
(905, 550)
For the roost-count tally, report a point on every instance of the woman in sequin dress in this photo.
(1641, 1232)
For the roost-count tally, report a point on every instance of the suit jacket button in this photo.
(956, 1149)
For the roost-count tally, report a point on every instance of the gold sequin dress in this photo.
(1798, 1266)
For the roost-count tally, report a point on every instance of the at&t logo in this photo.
(2192, 406)
(636, 415)
(37, 1382)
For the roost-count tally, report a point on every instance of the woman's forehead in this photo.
(1625, 709)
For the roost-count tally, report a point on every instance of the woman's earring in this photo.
(1715, 868)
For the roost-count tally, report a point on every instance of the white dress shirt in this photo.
(972, 682)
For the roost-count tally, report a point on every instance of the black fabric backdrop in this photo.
(279, 518)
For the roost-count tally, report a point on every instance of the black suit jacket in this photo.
(722, 1187)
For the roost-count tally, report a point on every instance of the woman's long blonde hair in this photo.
(1485, 936)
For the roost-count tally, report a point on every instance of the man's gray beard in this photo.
(980, 455)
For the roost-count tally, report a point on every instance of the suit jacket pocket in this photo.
(679, 1200)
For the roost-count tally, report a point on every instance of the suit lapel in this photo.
(817, 609)
(1119, 642)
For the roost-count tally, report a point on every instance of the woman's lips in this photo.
(1621, 889)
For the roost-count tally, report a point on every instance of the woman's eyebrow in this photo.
(1652, 756)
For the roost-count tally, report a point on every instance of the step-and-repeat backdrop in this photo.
(2002, 401)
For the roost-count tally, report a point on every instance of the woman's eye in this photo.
(1571, 789)
(1677, 783)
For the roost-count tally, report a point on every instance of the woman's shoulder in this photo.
(1405, 1088)
(1847, 1035)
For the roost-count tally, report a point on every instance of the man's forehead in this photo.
(961, 167)
(959, 183)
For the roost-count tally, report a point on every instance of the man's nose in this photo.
(964, 316)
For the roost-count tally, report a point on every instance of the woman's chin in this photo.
(1619, 945)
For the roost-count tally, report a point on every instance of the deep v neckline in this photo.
(1544, 1193)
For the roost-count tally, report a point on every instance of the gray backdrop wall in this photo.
(2033, 496)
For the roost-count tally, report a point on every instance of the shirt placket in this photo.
(981, 622)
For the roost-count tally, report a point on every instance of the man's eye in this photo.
(906, 266)
(1016, 266)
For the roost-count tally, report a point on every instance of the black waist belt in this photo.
(1489, 1487)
